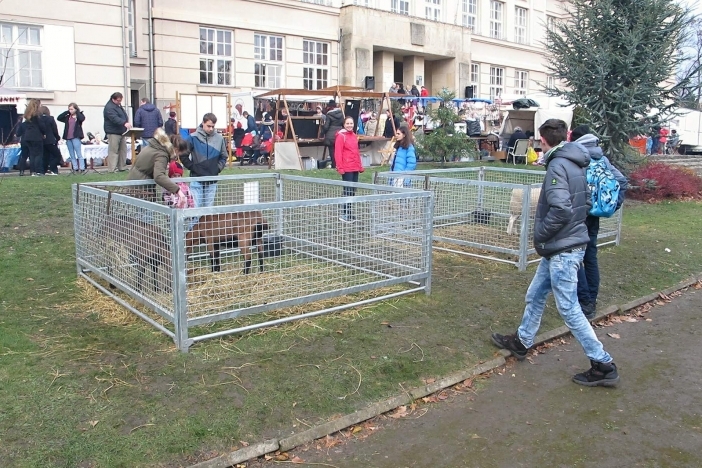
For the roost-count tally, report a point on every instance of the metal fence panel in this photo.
(488, 212)
(266, 243)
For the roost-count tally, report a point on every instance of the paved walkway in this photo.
(534, 416)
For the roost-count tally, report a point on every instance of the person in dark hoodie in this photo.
(52, 154)
(208, 156)
(560, 237)
(33, 136)
(149, 118)
(589, 272)
(171, 125)
(332, 124)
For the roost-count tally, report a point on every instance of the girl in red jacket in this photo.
(348, 163)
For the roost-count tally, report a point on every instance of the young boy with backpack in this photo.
(607, 187)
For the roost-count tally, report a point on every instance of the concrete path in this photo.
(534, 416)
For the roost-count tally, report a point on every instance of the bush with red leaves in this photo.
(657, 181)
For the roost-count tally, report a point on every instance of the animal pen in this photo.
(271, 245)
(487, 212)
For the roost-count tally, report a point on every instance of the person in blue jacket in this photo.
(405, 156)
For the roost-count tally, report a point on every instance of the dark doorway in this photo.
(399, 72)
(134, 101)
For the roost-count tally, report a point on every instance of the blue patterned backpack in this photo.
(604, 189)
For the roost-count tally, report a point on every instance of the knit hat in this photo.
(175, 169)
(579, 131)
(171, 114)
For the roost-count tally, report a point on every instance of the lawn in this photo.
(85, 385)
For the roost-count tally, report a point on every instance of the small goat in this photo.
(145, 244)
(243, 230)
(515, 206)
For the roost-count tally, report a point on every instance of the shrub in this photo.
(657, 181)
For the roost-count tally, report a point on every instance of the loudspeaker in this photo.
(369, 82)
(470, 92)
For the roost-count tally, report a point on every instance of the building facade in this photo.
(82, 51)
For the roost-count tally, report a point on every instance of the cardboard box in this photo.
(502, 155)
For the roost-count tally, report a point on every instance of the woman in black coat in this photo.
(52, 154)
(33, 137)
(73, 119)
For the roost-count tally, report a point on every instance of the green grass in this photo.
(77, 391)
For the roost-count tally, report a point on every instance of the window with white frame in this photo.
(21, 56)
(216, 57)
(475, 78)
(550, 22)
(550, 81)
(496, 10)
(315, 56)
(470, 14)
(131, 32)
(400, 6)
(521, 82)
(497, 77)
(520, 25)
(365, 3)
(433, 9)
(268, 56)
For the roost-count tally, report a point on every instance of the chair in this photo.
(518, 151)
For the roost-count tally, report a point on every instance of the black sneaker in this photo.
(599, 374)
(512, 344)
(589, 310)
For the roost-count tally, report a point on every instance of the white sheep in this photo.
(515, 207)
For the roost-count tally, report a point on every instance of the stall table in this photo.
(9, 157)
(91, 152)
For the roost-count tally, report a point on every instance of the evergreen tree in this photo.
(444, 143)
(617, 59)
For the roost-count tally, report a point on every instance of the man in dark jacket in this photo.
(171, 126)
(517, 135)
(149, 118)
(250, 122)
(333, 123)
(560, 237)
(391, 120)
(208, 156)
(116, 123)
(589, 272)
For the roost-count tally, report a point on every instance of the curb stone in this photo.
(378, 408)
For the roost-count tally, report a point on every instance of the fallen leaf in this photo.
(339, 332)
(468, 383)
(356, 430)
(297, 459)
(282, 457)
(245, 444)
(385, 323)
(429, 381)
(649, 320)
(430, 399)
(614, 335)
(632, 320)
(442, 396)
(400, 412)
(93, 423)
(475, 436)
(268, 457)
(30, 279)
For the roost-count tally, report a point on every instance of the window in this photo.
(20, 56)
(496, 19)
(268, 53)
(315, 56)
(365, 3)
(215, 57)
(470, 14)
(497, 76)
(520, 25)
(475, 78)
(550, 81)
(550, 27)
(131, 33)
(433, 9)
(521, 82)
(400, 6)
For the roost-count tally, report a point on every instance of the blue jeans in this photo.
(559, 275)
(74, 150)
(589, 272)
(203, 193)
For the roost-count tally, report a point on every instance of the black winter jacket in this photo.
(52, 134)
(115, 117)
(564, 201)
(333, 123)
(78, 130)
(34, 130)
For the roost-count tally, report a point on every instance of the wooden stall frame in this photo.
(338, 93)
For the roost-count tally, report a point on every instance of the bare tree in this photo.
(690, 95)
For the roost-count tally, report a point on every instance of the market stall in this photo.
(302, 150)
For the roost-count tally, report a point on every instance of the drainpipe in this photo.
(124, 53)
(152, 85)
